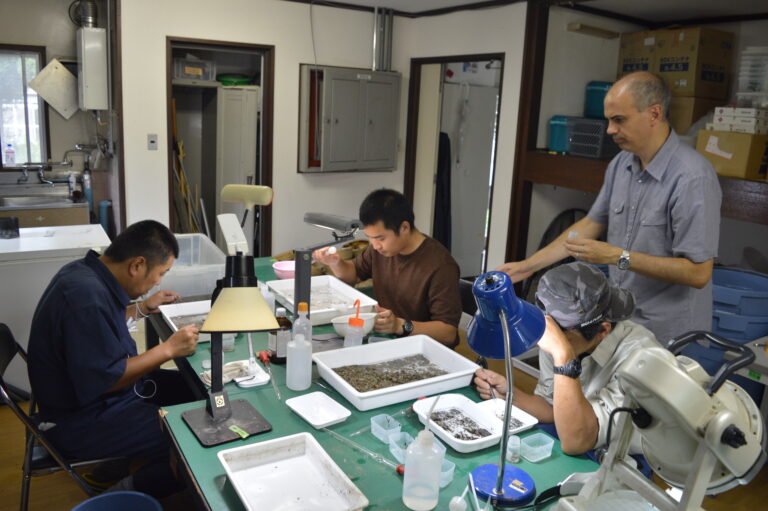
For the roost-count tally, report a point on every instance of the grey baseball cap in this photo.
(579, 294)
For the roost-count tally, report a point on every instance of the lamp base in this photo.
(517, 488)
(211, 433)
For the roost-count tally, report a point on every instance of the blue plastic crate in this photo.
(593, 106)
(558, 134)
(738, 327)
(740, 291)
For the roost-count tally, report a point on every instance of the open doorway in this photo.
(451, 151)
(220, 103)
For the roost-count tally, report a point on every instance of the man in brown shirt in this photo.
(414, 276)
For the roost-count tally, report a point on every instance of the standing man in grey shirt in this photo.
(660, 206)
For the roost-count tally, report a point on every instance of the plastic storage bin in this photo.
(199, 266)
(737, 327)
(588, 137)
(593, 105)
(536, 447)
(189, 69)
(740, 292)
(558, 134)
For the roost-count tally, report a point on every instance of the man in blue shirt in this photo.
(97, 395)
(660, 210)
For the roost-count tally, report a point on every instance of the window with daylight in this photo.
(22, 111)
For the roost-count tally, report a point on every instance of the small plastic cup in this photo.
(446, 472)
(537, 447)
(384, 426)
(398, 444)
(513, 449)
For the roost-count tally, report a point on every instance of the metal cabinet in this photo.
(349, 119)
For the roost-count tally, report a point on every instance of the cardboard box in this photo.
(727, 111)
(735, 154)
(637, 52)
(695, 61)
(683, 112)
(760, 113)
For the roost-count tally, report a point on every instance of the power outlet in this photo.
(152, 142)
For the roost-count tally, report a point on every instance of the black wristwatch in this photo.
(407, 328)
(572, 369)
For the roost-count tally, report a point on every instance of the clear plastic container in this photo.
(355, 333)
(446, 473)
(299, 367)
(199, 265)
(383, 426)
(398, 445)
(301, 324)
(423, 463)
(537, 447)
(513, 449)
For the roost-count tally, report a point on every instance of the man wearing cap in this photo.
(659, 208)
(587, 337)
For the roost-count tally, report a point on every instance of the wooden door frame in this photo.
(412, 121)
(267, 121)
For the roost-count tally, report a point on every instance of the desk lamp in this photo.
(504, 326)
(343, 229)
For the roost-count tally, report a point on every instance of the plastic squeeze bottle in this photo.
(421, 485)
(301, 325)
(299, 367)
(355, 332)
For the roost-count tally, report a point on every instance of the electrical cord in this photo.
(632, 412)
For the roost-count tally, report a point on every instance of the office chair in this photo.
(40, 457)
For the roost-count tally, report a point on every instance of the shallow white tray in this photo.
(185, 309)
(264, 476)
(483, 413)
(460, 370)
(496, 407)
(318, 409)
(323, 309)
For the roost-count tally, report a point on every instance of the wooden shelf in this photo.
(742, 199)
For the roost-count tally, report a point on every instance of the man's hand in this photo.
(556, 343)
(184, 342)
(162, 297)
(592, 251)
(515, 270)
(387, 322)
(485, 379)
(321, 255)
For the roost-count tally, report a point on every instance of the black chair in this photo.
(40, 457)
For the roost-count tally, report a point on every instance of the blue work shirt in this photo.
(669, 209)
(79, 343)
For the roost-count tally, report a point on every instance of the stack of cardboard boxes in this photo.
(737, 142)
(695, 62)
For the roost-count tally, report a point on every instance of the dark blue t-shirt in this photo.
(79, 342)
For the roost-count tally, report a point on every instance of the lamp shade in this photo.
(240, 309)
(494, 292)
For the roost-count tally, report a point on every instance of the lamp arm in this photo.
(499, 490)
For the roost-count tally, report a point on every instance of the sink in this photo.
(33, 200)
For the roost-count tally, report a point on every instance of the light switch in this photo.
(152, 142)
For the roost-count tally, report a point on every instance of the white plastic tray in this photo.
(322, 311)
(264, 476)
(460, 370)
(496, 408)
(479, 412)
(185, 309)
(318, 409)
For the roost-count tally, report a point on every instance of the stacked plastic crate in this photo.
(740, 314)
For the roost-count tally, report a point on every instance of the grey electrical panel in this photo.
(349, 119)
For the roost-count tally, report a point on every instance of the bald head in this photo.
(646, 89)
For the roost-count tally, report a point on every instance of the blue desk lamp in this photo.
(504, 326)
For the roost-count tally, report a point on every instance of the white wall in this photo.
(495, 30)
(343, 38)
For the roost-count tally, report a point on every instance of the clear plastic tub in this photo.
(383, 426)
(537, 447)
(199, 266)
(398, 444)
(446, 472)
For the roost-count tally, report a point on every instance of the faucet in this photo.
(41, 176)
(24, 178)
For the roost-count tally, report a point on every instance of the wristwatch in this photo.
(572, 369)
(623, 262)
(407, 328)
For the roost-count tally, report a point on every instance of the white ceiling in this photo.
(652, 10)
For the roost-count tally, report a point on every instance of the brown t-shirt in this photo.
(421, 286)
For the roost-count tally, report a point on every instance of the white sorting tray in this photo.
(318, 409)
(188, 309)
(264, 476)
(323, 307)
(479, 412)
(460, 370)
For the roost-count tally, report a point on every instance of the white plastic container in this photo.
(421, 483)
(301, 324)
(355, 333)
(299, 370)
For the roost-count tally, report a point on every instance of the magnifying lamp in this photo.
(504, 326)
(343, 229)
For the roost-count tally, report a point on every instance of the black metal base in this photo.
(211, 433)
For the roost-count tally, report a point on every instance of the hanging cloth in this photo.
(441, 225)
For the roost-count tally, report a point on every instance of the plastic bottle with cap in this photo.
(301, 325)
(355, 332)
(299, 368)
(10, 155)
(421, 484)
